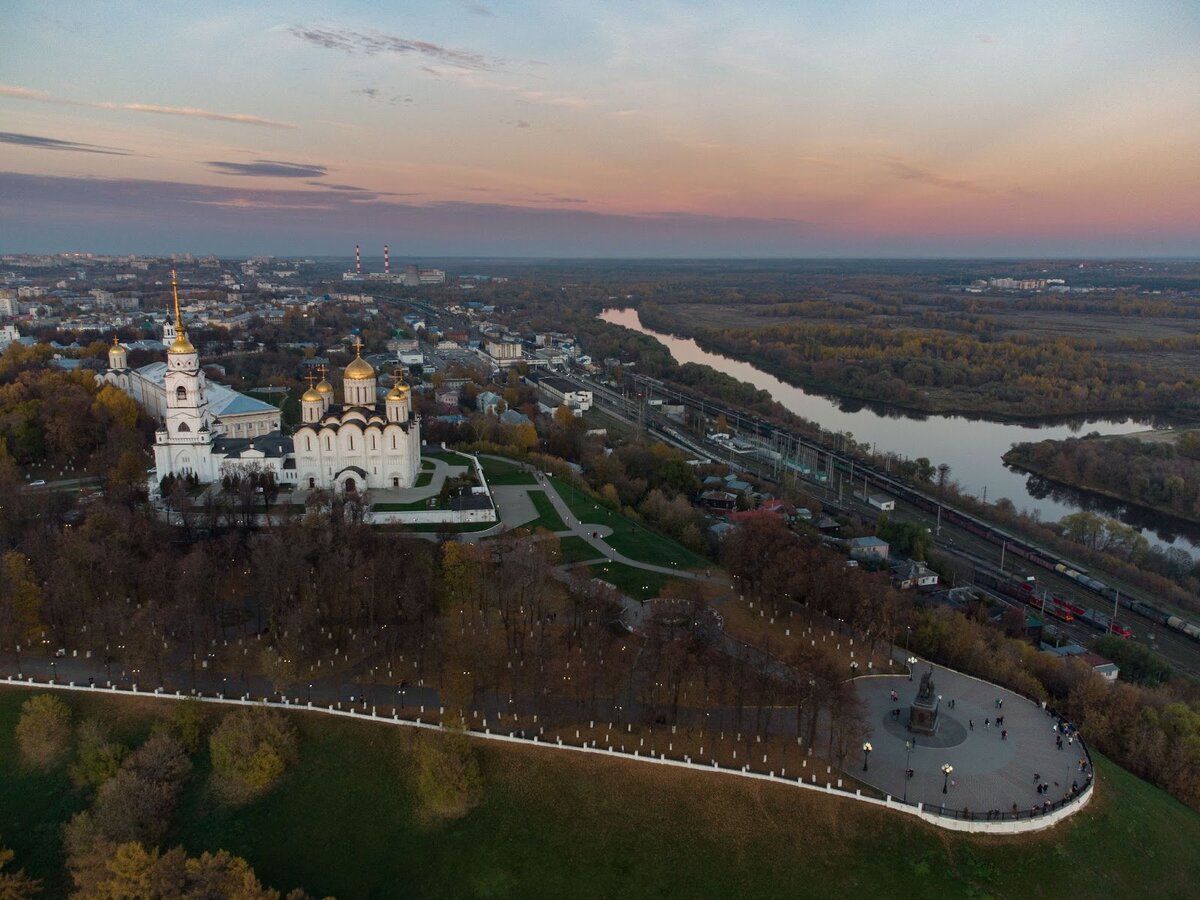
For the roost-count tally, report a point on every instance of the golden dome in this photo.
(117, 345)
(182, 344)
(324, 387)
(398, 392)
(312, 395)
(359, 370)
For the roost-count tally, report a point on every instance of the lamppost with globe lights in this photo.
(912, 661)
(946, 770)
(853, 669)
(867, 748)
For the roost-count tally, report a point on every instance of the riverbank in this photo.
(971, 448)
(1152, 475)
(905, 399)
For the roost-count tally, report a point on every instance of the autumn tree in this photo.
(449, 779)
(97, 756)
(43, 730)
(16, 885)
(251, 749)
(20, 600)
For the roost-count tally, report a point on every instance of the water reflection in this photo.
(972, 447)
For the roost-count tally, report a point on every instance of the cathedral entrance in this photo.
(350, 486)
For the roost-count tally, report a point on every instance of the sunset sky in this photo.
(602, 128)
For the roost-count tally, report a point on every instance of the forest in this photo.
(1163, 475)
(935, 370)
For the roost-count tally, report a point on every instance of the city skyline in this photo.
(560, 129)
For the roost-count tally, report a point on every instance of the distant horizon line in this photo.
(658, 258)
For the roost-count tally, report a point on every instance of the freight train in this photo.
(1033, 555)
(905, 492)
(1020, 589)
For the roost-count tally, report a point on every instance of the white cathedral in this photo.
(210, 431)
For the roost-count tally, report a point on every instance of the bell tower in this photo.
(183, 445)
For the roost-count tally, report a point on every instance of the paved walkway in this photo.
(990, 772)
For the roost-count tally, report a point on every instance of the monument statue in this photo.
(926, 690)
(923, 713)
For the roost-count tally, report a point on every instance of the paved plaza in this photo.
(990, 772)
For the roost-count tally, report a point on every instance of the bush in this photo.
(251, 749)
(16, 885)
(186, 723)
(97, 757)
(449, 780)
(44, 730)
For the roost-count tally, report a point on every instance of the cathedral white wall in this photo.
(389, 455)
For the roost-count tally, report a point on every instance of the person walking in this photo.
(1004, 735)
(971, 724)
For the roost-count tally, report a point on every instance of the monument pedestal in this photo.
(923, 713)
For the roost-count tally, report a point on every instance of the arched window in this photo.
(327, 444)
(181, 393)
(308, 442)
(351, 442)
(372, 442)
(183, 426)
(393, 442)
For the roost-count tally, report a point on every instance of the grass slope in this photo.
(548, 516)
(574, 549)
(500, 471)
(564, 825)
(629, 538)
(640, 584)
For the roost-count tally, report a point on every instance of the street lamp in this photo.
(310, 692)
(946, 770)
(866, 753)
(53, 671)
(908, 745)
(907, 635)
(912, 661)
(853, 668)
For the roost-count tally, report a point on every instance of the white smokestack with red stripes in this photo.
(357, 260)
(387, 266)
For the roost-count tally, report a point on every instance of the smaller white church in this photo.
(210, 431)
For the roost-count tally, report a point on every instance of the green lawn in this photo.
(423, 480)
(503, 471)
(574, 549)
(427, 466)
(556, 825)
(447, 456)
(628, 537)
(636, 583)
(548, 516)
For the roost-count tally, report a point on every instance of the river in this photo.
(971, 447)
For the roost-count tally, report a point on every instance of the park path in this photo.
(594, 534)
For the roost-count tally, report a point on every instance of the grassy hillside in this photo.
(555, 825)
